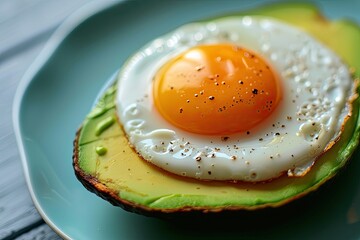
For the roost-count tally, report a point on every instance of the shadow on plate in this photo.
(328, 213)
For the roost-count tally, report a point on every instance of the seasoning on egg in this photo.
(247, 92)
(212, 155)
(199, 68)
(224, 139)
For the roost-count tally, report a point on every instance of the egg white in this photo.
(317, 87)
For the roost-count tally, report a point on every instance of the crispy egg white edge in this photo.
(317, 87)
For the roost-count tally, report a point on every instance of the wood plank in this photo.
(24, 23)
(20, 23)
(42, 232)
(16, 207)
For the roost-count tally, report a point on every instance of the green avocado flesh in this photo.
(106, 164)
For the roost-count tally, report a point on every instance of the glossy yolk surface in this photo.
(216, 89)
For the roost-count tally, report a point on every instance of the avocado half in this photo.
(106, 165)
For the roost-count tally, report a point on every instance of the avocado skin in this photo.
(182, 215)
(93, 184)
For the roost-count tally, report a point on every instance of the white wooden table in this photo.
(25, 26)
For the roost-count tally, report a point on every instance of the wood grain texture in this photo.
(40, 233)
(25, 26)
(17, 210)
(23, 21)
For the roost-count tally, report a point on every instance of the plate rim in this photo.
(73, 21)
(70, 23)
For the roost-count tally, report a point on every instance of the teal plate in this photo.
(59, 89)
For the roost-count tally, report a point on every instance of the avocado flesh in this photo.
(124, 179)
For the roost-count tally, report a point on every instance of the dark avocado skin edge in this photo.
(227, 215)
(93, 185)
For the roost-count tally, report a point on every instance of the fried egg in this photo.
(238, 98)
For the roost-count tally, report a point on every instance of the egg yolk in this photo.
(216, 89)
